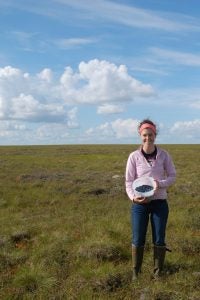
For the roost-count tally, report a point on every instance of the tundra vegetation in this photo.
(65, 225)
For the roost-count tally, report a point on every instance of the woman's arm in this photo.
(130, 176)
(170, 173)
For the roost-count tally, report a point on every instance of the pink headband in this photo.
(147, 125)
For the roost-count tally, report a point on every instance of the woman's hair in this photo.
(147, 121)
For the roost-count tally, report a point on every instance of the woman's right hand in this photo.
(140, 200)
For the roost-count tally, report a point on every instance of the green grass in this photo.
(65, 225)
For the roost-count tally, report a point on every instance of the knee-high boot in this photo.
(159, 258)
(137, 257)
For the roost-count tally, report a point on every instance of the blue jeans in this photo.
(158, 211)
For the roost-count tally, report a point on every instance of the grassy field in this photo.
(65, 225)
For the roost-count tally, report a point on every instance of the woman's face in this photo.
(147, 136)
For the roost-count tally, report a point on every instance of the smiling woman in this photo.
(154, 162)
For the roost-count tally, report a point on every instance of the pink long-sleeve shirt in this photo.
(162, 170)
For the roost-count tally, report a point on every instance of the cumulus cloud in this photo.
(107, 82)
(125, 128)
(42, 97)
(72, 118)
(186, 129)
(36, 103)
(101, 82)
(103, 130)
(120, 128)
(8, 128)
(50, 132)
(26, 107)
(46, 75)
(18, 132)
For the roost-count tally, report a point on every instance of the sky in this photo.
(88, 71)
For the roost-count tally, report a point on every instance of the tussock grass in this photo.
(65, 225)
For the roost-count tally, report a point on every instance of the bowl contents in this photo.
(144, 188)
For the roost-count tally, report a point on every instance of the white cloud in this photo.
(106, 82)
(73, 42)
(187, 129)
(8, 72)
(8, 128)
(46, 98)
(120, 129)
(46, 75)
(52, 132)
(69, 79)
(101, 131)
(125, 128)
(109, 109)
(21, 133)
(26, 107)
(104, 10)
(45, 105)
(42, 97)
(182, 58)
(72, 118)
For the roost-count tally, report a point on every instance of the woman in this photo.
(149, 160)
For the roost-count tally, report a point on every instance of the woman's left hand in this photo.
(156, 185)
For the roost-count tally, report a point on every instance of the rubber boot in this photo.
(159, 258)
(137, 257)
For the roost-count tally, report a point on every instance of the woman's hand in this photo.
(156, 185)
(140, 200)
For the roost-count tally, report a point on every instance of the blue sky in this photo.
(87, 71)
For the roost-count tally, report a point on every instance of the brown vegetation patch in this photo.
(172, 268)
(20, 236)
(191, 247)
(21, 240)
(103, 253)
(112, 282)
(40, 176)
(98, 191)
(164, 296)
(10, 262)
